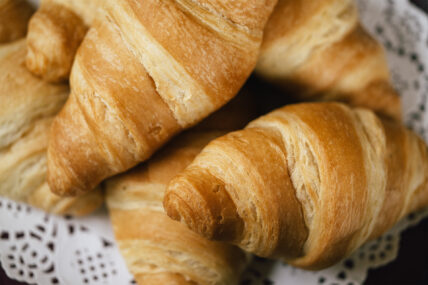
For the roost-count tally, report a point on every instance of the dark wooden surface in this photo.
(411, 266)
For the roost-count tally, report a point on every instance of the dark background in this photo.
(411, 266)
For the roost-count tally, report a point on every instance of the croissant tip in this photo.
(63, 185)
(59, 182)
(199, 200)
(60, 191)
(171, 207)
(190, 212)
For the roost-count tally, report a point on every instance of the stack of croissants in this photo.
(94, 94)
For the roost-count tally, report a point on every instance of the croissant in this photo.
(165, 66)
(26, 113)
(14, 16)
(318, 50)
(307, 183)
(157, 249)
(55, 32)
(160, 250)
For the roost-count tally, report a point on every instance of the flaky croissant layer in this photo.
(157, 249)
(307, 183)
(144, 72)
(318, 50)
(55, 32)
(28, 106)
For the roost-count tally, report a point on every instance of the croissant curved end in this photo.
(61, 182)
(52, 59)
(203, 203)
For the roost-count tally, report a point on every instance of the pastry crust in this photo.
(14, 17)
(55, 32)
(158, 78)
(26, 114)
(156, 248)
(318, 50)
(308, 183)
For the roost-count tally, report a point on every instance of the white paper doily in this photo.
(43, 249)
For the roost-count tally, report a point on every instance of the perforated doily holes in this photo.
(45, 249)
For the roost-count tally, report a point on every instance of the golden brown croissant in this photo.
(307, 183)
(14, 16)
(137, 197)
(144, 72)
(54, 34)
(153, 245)
(26, 113)
(319, 50)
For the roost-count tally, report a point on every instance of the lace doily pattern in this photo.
(403, 31)
(43, 249)
(38, 248)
